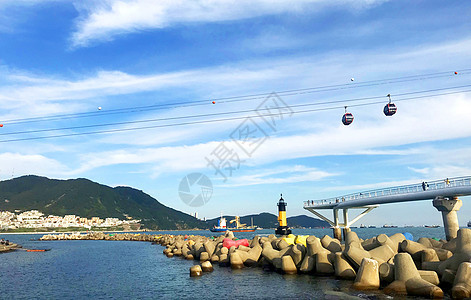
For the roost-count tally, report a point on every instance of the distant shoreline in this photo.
(85, 231)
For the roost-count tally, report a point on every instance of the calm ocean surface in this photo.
(139, 270)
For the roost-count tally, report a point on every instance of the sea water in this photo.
(139, 270)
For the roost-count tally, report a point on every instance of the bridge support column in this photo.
(338, 233)
(347, 225)
(345, 231)
(337, 230)
(449, 207)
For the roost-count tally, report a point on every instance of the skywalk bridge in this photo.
(444, 194)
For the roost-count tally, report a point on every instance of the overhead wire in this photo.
(238, 112)
(228, 119)
(285, 93)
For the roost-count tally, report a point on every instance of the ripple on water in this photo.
(139, 270)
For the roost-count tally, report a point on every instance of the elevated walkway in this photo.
(444, 194)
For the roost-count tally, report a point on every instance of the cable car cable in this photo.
(221, 113)
(206, 121)
(240, 98)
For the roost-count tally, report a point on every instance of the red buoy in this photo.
(1, 125)
(456, 73)
(214, 102)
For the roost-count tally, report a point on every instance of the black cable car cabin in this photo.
(347, 119)
(390, 109)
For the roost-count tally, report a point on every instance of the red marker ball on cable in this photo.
(456, 73)
(214, 102)
(1, 125)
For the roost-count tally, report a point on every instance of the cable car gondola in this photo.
(390, 108)
(347, 118)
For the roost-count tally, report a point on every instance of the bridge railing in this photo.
(397, 190)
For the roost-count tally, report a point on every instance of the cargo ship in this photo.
(222, 226)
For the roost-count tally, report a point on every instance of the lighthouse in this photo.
(283, 228)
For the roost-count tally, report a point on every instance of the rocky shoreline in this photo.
(393, 264)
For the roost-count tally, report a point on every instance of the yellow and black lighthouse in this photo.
(283, 228)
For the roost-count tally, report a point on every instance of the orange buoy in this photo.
(1, 125)
(456, 73)
(214, 102)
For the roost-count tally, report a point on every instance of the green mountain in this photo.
(306, 222)
(89, 199)
(267, 220)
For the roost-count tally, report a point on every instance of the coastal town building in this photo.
(36, 219)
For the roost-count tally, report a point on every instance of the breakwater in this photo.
(392, 264)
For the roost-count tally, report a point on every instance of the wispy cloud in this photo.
(24, 91)
(14, 12)
(367, 138)
(109, 18)
(279, 175)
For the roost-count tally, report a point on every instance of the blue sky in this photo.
(62, 57)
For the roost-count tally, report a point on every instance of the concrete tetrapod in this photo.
(297, 252)
(307, 265)
(333, 245)
(429, 255)
(447, 277)
(249, 256)
(198, 249)
(224, 259)
(254, 241)
(408, 280)
(462, 285)
(430, 276)
(287, 265)
(413, 248)
(207, 266)
(253, 256)
(236, 261)
(352, 237)
(314, 245)
(397, 239)
(462, 252)
(386, 272)
(383, 239)
(430, 243)
(196, 271)
(272, 255)
(342, 268)
(209, 247)
(370, 243)
(323, 264)
(382, 253)
(355, 254)
(214, 258)
(204, 256)
(368, 275)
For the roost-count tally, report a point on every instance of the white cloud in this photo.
(114, 17)
(363, 138)
(424, 171)
(279, 175)
(17, 164)
(168, 159)
(27, 94)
